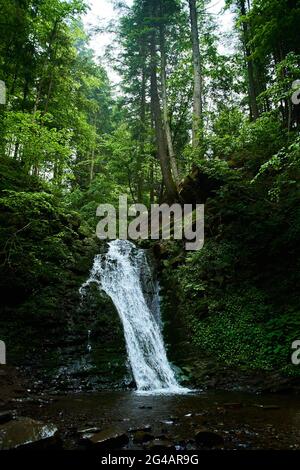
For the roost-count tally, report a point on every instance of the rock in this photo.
(162, 437)
(88, 431)
(109, 438)
(6, 416)
(198, 186)
(190, 446)
(140, 437)
(207, 438)
(26, 433)
(267, 407)
(158, 444)
(20, 391)
(145, 428)
(232, 406)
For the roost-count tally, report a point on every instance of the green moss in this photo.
(237, 298)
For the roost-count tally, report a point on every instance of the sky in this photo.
(101, 12)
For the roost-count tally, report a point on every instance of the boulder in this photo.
(109, 438)
(206, 438)
(26, 433)
(140, 437)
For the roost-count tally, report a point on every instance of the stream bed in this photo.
(225, 420)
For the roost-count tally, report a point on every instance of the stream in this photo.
(242, 421)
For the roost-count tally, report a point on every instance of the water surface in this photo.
(245, 421)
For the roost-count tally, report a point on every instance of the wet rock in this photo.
(88, 431)
(109, 438)
(26, 433)
(206, 438)
(190, 446)
(158, 444)
(140, 437)
(267, 407)
(145, 428)
(232, 406)
(221, 410)
(162, 437)
(6, 416)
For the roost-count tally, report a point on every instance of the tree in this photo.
(246, 39)
(163, 67)
(160, 135)
(198, 85)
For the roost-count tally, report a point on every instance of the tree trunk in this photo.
(49, 54)
(142, 132)
(254, 111)
(165, 104)
(92, 165)
(161, 144)
(198, 83)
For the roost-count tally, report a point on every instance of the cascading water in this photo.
(119, 273)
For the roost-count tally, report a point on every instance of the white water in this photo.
(120, 273)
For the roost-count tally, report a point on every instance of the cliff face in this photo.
(62, 341)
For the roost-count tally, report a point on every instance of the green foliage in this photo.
(238, 295)
(39, 235)
(245, 144)
(59, 98)
(239, 332)
(283, 171)
(235, 332)
(45, 149)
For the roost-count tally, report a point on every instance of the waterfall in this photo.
(121, 273)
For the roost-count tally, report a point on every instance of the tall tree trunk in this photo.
(198, 82)
(49, 93)
(165, 104)
(254, 111)
(142, 131)
(162, 151)
(151, 192)
(52, 39)
(93, 150)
